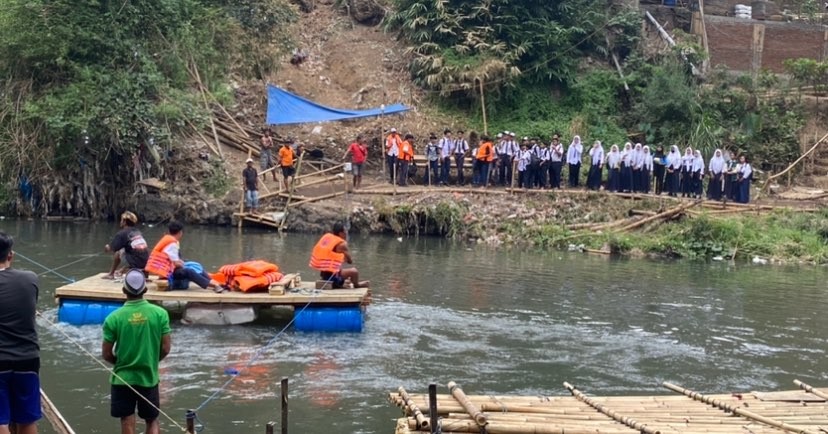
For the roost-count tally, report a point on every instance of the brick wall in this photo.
(783, 43)
(731, 43)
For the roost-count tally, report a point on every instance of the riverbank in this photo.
(595, 222)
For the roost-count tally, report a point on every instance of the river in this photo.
(506, 321)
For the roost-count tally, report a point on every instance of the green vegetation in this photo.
(92, 83)
(548, 68)
(783, 236)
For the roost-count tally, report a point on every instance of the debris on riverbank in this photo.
(592, 222)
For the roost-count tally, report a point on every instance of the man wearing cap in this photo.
(128, 244)
(556, 154)
(446, 148)
(19, 348)
(392, 153)
(136, 337)
(359, 153)
(250, 184)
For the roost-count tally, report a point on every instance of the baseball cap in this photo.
(512, 134)
(135, 283)
(249, 160)
(129, 217)
(393, 130)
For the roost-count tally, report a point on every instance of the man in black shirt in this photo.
(19, 349)
(129, 245)
(250, 183)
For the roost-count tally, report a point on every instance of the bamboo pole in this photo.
(810, 389)
(792, 165)
(632, 423)
(207, 106)
(470, 408)
(665, 215)
(315, 199)
(736, 410)
(467, 426)
(281, 192)
(422, 422)
(52, 414)
(483, 107)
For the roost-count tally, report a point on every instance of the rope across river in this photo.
(102, 364)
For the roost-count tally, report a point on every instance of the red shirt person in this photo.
(359, 153)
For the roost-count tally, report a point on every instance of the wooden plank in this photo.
(787, 396)
(757, 46)
(289, 281)
(95, 288)
(153, 183)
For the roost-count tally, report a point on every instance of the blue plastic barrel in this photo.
(85, 312)
(329, 319)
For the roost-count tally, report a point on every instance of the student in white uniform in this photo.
(573, 160)
(716, 170)
(646, 170)
(673, 171)
(744, 176)
(596, 166)
(460, 149)
(698, 173)
(613, 169)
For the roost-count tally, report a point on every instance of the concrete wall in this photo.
(750, 45)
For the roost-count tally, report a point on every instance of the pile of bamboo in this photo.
(685, 412)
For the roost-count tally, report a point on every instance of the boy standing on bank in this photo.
(136, 337)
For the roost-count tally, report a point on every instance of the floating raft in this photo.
(687, 412)
(88, 301)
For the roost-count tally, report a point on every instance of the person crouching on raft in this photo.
(165, 261)
(328, 255)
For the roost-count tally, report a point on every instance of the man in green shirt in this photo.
(135, 338)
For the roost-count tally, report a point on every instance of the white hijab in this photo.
(647, 159)
(596, 153)
(627, 155)
(614, 157)
(698, 162)
(717, 163)
(674, 158)
(573, 155)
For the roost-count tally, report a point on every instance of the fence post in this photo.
(432, 408)
(269, 427)
(191, 421)
(284, 405)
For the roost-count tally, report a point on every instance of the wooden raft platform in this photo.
(290, 291)
(801, 411)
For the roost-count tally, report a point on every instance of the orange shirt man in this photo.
(286, 157)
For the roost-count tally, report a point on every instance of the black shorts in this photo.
(124, 401)
(288, 171)
(337, 281)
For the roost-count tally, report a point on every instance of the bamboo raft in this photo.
(290, 291)
(802, 411)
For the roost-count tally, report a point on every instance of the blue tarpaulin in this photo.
(286, 108)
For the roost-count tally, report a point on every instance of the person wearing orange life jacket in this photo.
(482, 160)
(328, 255)
(165, 261)
(392, 153)
(406, 157)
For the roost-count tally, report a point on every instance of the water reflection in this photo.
(497, 321)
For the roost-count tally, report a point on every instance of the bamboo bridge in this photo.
(803, 411)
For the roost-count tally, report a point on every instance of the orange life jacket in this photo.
(256, 283)
(323, 257)
(392, 140)
(406, 151)
(485, 152)
(159, 263)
